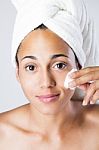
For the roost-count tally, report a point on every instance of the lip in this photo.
(48, 97)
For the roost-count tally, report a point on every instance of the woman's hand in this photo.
(87, 79)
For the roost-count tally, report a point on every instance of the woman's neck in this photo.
(53, 123)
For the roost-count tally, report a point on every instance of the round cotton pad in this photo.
(68, 79)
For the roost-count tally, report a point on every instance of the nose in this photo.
(47, 80)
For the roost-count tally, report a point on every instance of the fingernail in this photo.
(84, 103)
(91, 102)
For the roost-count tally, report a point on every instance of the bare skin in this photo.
(57, 124)
(82, 79)
(82, 133)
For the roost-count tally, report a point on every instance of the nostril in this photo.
(47, 80)
(48, 84)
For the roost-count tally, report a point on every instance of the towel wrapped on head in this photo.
(67, 18)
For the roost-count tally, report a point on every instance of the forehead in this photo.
(44, 42)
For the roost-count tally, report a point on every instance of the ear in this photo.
(17, 74)
(17, 3)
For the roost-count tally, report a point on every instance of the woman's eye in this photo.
(30, 68)
(60, 66)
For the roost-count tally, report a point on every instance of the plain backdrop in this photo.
(11, 95)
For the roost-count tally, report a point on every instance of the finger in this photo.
(95, 97)
(84, 71)
(84, 79)
(84, 87)
(89, 94)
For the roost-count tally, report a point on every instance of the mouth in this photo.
(48, 98)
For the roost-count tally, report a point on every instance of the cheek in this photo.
(29, 89)
(60, 78)
(29, 84)
(67, 93)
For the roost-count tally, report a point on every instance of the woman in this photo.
(51, 120)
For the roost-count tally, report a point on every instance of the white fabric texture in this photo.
(67, 18)
(69, 79)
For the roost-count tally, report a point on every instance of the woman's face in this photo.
(44, 60)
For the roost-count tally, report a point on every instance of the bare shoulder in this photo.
(12, 119)
(13, 114)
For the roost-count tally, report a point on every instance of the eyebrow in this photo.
(31, 57)
(52, 57)
(58, 55)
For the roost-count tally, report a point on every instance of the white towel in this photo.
(67, 18)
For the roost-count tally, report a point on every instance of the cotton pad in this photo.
(68, 79)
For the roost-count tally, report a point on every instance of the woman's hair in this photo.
(43, 27)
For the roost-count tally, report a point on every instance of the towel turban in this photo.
(67, 18)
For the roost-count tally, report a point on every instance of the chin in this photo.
(51, 106)
(51, 109)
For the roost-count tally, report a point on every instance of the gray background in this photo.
(11, 95)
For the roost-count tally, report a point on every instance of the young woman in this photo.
(52, 120)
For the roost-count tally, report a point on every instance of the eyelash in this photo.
(55, 66)
(63, 65)
(28, 67)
